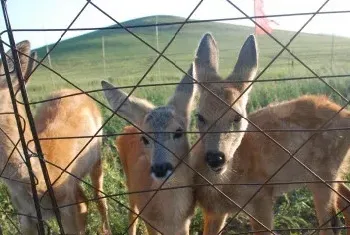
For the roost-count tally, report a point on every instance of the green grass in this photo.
(80, 61)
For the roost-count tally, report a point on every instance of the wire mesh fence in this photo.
(39, 193)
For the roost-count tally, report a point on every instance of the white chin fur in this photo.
(223, 170)
(219, 171)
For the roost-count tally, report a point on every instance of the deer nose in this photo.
(215, 159)
(161, 170)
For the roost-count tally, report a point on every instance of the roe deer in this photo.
(235, 157)
(73, 116)
(147, 163)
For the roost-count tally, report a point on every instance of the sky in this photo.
(46, 14)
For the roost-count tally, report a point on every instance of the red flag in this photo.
(263, 22)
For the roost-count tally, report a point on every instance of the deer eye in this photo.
(178, 133)
(200, 118)
(238, 118)
(144, 140)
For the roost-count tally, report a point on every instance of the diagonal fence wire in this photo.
(181, 159)
(159, 24)
(321, 226)
(21, 83)
(291, 155)
(289, 51)
(78, 154)
(19, 125)
(14, 149)
(196, 186)
(345, 99)
(115, 111)
(177, 83)
(61, 37)
(150, 67)
(64, 170)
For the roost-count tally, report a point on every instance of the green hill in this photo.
(126, 58)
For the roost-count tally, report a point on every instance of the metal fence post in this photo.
(23, 141)
(17, 68)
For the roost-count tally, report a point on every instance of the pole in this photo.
(41, 230)
(104, 56)
(157, 42)
(17, 68)
(50, 64)
(332, 55)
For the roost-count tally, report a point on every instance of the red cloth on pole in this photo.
(263, 22)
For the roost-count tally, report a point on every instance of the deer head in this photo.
(222, 141)
(165, 124)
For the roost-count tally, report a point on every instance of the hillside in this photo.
(126, 56)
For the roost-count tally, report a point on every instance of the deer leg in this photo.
(324, 205)
(133, 217)
(71, 220)
(82, 210)
(151, 230)
(28, 225)
(213, 222)
(343, 205)
(97, 181)
(262, 210)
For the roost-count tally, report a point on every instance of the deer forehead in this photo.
(211, 105)
(162, 118)
(208, 75)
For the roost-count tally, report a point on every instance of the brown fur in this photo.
(74, 116)
(136, 167)
(236, 157)
(257, 158)
(147, 163)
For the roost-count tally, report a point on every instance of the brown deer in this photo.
(226, 155)
(73, 116)
(147, 163)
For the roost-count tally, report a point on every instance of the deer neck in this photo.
(10, 155)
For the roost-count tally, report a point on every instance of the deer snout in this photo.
(215, 160)
(161, 170)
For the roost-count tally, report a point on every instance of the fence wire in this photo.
(26, 153)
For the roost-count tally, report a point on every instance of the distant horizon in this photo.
(175, 16)
(43, 14)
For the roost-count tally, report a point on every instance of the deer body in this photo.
(160, 212)
(227, 155)
(257, 158)
(73, 116)
(149, 159)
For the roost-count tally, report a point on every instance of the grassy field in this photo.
(127, 59)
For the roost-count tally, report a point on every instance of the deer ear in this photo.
(31, 64)
(23, 51)
(247, 64)
(207, 56)
(131, 108)
(183, 97)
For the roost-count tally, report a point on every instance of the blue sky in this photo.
(45, 14)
